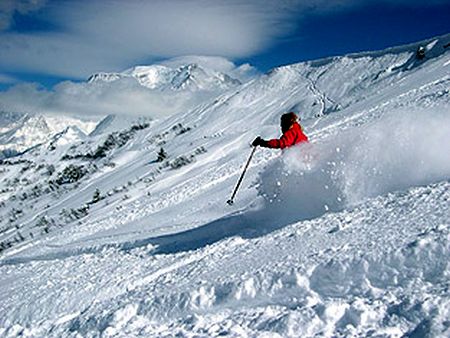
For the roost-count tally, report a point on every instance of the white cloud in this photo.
(9, 7)
(124, 96)
(112, 35)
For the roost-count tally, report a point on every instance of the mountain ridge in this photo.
(190, 77)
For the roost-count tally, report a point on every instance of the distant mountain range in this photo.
(192, 77)
(20, 131)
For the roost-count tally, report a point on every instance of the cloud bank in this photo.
(112, 35)
(122, 97)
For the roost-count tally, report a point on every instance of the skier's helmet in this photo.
(290, 117)
(287, 120)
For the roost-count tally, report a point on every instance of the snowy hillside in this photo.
(126, 233)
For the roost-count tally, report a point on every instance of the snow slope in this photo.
(346, 236)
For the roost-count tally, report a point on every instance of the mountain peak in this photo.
(190, 76)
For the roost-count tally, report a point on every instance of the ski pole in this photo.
(230, 201)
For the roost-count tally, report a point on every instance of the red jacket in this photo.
(291, 137)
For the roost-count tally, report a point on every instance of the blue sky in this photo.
(47, 41)
(372, 26)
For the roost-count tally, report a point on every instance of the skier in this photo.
(292, 134)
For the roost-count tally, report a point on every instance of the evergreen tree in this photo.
(162, 155)
(97, 196)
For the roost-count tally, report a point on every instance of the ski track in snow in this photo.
(303, 253)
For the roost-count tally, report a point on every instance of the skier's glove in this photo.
(257, 141)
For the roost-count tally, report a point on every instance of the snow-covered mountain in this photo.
(69, 135)
(192, 77)
(20, 132)
(127, 233)
(112, 123)
(181, 85)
